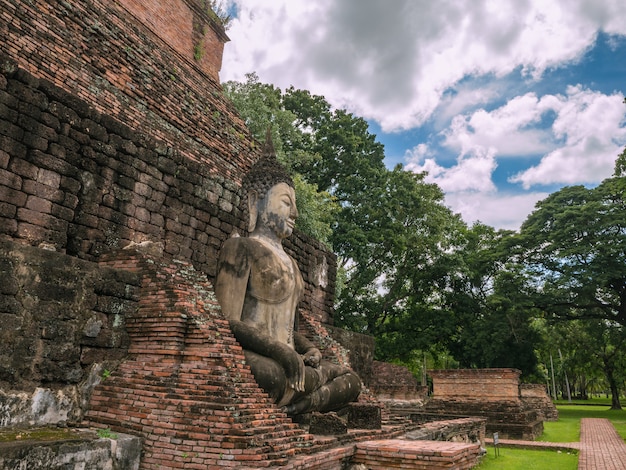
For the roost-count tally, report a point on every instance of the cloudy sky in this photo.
(501, 102)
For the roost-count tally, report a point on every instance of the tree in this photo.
(491, 318)
(261, 107)
(392, 233)
(397, 246)
(620, 163)
(574, 247)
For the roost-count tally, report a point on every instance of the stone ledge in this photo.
(431, 455)
(83, 450)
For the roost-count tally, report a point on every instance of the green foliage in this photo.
(198, 52)
(574, 246)
(488, 311)
(260, 105)
(620, 163)
(318, 209)
(217, 9)
(106, 434)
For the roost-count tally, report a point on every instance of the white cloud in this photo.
(472, 172)
(502, 211)
(590, 124)
(511, 129)
(393, 62)
(410, 62)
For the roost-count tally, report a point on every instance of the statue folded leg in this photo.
(327, 387)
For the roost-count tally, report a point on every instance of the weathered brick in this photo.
(95, 130)
(25, 92)
(39, 234)
(10, 179)
(4, 159)
(12, 147)
(8, 225)
(41, 219)
(38, 204)
(35, 141)
(37, 189)
(63, 113)
(8, 114)
(10, 130)
(7, 210)
(12, 196)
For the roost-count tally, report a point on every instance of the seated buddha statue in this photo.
(259, 287)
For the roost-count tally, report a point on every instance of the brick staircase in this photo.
(185, 388)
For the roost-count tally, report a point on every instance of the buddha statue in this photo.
(259, 287)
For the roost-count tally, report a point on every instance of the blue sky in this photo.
(501, 102)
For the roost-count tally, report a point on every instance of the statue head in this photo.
(269, 189)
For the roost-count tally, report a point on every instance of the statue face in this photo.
(277, 210)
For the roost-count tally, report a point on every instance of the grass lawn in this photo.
(566, 429)
(523, 459)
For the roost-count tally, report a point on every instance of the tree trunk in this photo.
(615, 404)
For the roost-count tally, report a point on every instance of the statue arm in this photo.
(250, 338)
(310, 354)
(233, 270)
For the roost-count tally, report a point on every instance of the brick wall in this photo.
(391, 381)
(187, 27)
(102, 54)
(482, 385)
(185, 388)
(59, 315)
(128, 137)
(535, 396)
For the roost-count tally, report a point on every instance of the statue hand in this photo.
(312, 357)
(295, 371)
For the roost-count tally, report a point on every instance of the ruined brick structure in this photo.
(535, 396)
(120, 171)
(394, 382)
(490, 393)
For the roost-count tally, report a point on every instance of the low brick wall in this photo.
(490, 393)
(394, 382)
(122, 452)
(535, 397)
(419, 455)
(476, 384)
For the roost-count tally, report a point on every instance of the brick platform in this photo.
(420, 455)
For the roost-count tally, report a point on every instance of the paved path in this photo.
(600, 447)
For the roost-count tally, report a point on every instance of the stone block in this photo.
(327, 424)
(364, 416)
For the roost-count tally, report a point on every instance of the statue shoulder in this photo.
(241, 247)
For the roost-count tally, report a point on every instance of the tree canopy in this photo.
(419, 280)
(574, 247)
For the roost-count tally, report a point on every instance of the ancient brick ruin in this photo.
(120, 172)
(491, 393)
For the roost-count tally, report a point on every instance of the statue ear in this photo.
(253, 212)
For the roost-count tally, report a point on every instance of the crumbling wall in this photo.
(395, 382)
(63, 320)
(109, 137)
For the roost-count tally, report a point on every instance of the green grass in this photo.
(523, 459)
(566, 429)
